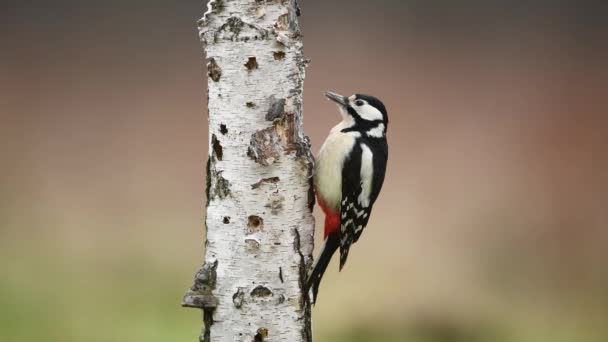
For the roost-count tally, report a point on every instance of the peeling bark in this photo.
(259, 204)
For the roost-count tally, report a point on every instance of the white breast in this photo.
(328, 165)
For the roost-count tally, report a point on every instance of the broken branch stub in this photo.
(200, 294)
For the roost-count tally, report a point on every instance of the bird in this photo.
(348, 176)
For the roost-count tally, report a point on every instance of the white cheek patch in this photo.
(369, 113)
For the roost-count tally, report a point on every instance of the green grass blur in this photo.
(124, 298)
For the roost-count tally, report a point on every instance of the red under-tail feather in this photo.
(332, 219)
(332, 242)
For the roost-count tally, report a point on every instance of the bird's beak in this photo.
(337, 98)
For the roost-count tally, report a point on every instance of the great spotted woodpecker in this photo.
(349, 172)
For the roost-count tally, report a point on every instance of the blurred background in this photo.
(492, 225)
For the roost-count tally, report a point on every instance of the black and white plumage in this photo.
(349, 173)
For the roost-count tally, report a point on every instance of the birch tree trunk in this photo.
(259, 235)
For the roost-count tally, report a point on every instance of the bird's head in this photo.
(362, 113)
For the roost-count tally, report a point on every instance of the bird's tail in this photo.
(329, 248)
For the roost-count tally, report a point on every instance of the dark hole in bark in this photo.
(252, 63)
(261, 335)
(215, 72)
(223, 129)
(250, 104)
(217, 147)
(226, 219)
(261, 291)
(279, 55)
(281, 274)
(254, 224)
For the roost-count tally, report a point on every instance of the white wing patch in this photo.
(356, 204)
(367, 174)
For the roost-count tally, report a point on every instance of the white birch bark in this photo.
(259, 195)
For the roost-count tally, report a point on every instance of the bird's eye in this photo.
(359, 103)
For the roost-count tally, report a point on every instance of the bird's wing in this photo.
(355, 206)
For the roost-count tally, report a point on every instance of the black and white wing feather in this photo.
(362, 178)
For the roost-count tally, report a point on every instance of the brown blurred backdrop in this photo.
(492, 225)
